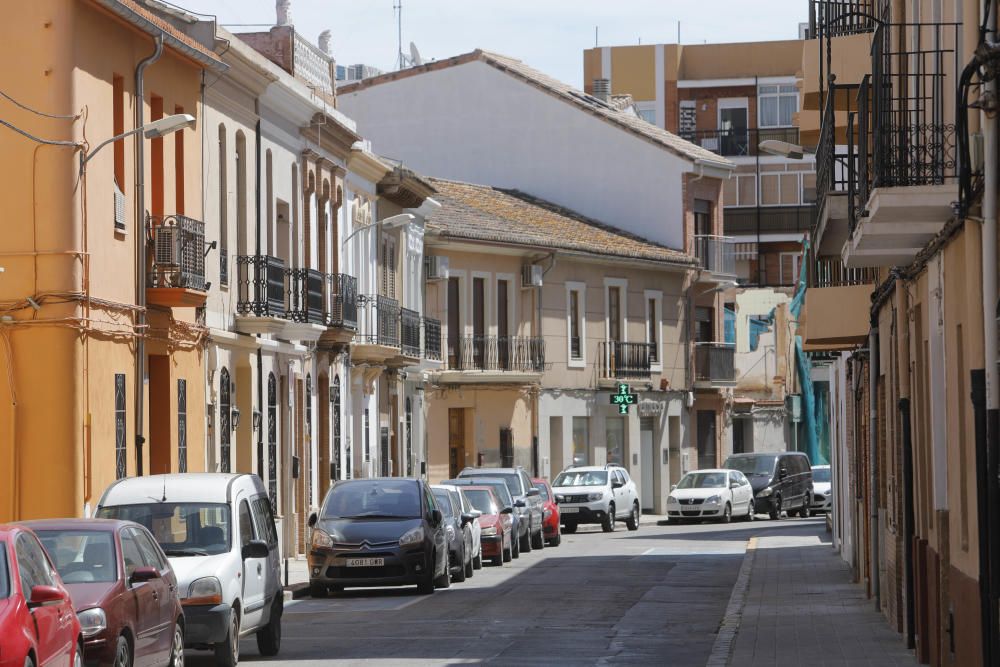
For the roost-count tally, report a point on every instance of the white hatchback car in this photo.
(596, 494)
(711, 494)
(822, 497)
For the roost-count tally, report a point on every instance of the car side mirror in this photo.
(520, 503)
(783, 472)
(507, 510)
(616, 484)
(475, 514)
(141, 575)
(313, 520)
(436, 517)
(467, 518)
(255, 549)
(673, 487)
(533, 492)
(43, 596)
(734, 485)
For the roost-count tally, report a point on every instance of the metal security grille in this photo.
(272, 441)
(335, 411)
(384, 454)
(409, 438)
(182, 441)
(120, 458)
(368, 437)
(225, 405)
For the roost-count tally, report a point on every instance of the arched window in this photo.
(335, 414)
(272, 441)
(307, 454)
(225, 408)
(409, 437)
(223, 209)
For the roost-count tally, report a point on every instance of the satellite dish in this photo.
(415, 58)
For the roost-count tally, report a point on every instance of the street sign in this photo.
(622, 398)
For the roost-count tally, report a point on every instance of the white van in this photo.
(218, 532)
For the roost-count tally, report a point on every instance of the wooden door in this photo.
(456, 441)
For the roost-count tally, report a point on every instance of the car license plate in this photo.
(365, 562)
(569, 510)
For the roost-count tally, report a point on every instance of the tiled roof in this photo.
(485, 213)
(567, 93)
(621, 102)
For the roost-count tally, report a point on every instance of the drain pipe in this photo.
(873, 572)
(536, 420)
(140, 254)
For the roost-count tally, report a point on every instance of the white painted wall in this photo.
(473, 123)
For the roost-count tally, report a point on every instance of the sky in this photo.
(549, 35)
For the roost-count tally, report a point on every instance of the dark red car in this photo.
(37, 623)
(495, 523)
(550, 524)
(123, 589)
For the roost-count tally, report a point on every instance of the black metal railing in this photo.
(716, 254)
(836, 153)
(714, 362)
(736, 142)
(261, 286)
(178, 252)
(378, 320)
(341, 300)
(838, 18)
(524, 354)
(409, 325)
(305, 296)
(625, 361)
(432, 339)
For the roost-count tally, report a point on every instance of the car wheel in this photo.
(555, 541)
(633, 519)
(460, 571)
(269, 638)
(804, 512)
(426, 586)
(28, 662)
(538, 540)
(727, 514)
(508, 553)
(123, 653)
(77, 656)
(608, 526)
(177, 648)
(318, 590)
(477, 561)
(750, 510)
(469, 568)
(569, 528)
(775, 512)
(227, 652)
(444, 581)
(515, 546)
(526, 541)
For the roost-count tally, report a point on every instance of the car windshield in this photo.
(81, 556)
(482, 500)
(373, 499)
(821, 474)
(543, 491)
(4, 575)
(182, 529)
(443, 500)
(751, 465)
(703, 480)
(582, 478)
(512, 480)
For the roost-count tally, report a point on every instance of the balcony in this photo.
(625, 361)
(377, 338)
(409, 325)
(836, 169)
(717, 256)
(177, 278)
(494, 359)
(306, 307)
(260, 295)
(432, 339)
(739, 142)
(340, 310)
(714, 365)
(768, 220)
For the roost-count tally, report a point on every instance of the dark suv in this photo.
(528, 502)
(781, 481)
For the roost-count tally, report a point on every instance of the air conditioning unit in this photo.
(531, 276)
(436, 267)
(166, 246)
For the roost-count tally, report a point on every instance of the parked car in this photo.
(378, 532)
(711, 494)
(553, 533)
(218, 533)
(473, 527)
(123, 589)
(527, 502)
(781, 482)
(596, 494)
(37, 623)
(506, 501)
(495, 521)
(822, 496)
(459, 537)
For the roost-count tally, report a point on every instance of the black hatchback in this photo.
(378, 532)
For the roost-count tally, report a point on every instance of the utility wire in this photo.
(36, 111)
(49, 142)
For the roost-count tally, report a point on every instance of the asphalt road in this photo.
(651, 597)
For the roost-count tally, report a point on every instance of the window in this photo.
(182, 455)
(272, 440)
(706, 438)
(264, 521)
(81, 556)
(503, 324)
(581, 441)
(225, 387)
(454, 326)
(704, 324)
(130, 553)
(223, 201)
(335, 474)
(653, 323)
(118, 113)
(702, 217)
(389, 267)
(120, 452)
(479, 321)
(777, 104)
(614, 314)
(575, 323)
(179, 167)
(246, 524)
(32, 564)
(151, 555)
(615, 439)
(241, 194)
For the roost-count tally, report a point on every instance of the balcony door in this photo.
(456, 441)
(454, 325)
(733, 136)
(479, 321)
(503, 324)
(706, 439)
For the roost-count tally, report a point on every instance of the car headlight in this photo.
(594, 496)
(92, 621)
(206, 590)
(321, 539)
(765, 492)
(414, 536)
(489, 531)
(713, 500)
(560, 499)
(671, 499)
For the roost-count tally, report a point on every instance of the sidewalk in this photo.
(295, 577)
(800, 608)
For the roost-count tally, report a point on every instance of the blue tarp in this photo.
(810, 406)
(757, 327)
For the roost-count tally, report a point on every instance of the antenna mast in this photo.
(398, 7)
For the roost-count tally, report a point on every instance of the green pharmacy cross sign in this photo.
(623, 399)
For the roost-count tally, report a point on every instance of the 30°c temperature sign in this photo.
(624, 398)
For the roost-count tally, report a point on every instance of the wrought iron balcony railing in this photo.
(378, 320)
(523, 354)
(716, 254)
(341, 300)
(306, 296)
(714, 362)
(836, 153)
(736, 142)
(178, 252)
(432, 339)
(261, 286)
(626, 361)
(838, 18)
(409, 325)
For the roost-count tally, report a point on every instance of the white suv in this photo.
(596, 494)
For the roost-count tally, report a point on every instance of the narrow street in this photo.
(652, 597)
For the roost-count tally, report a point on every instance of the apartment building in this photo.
(103, 349)
(902, 309)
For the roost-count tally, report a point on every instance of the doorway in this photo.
(456, 441)
(734, 137)
(706, 439)
(647, 462)
(159, 414)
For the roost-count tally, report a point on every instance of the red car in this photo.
(123, 589)
(550, 524)
(37, 623)
(496, 524)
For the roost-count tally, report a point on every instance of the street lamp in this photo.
(392, 222)
(721, 287)
(154, 130)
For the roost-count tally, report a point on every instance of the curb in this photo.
(296, 591)
(725, 639)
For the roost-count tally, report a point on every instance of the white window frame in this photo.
(623, 284)
(657, 297)
(778, 95)
(581, 290)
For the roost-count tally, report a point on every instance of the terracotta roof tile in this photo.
(485, 213)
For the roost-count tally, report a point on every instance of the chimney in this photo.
(602, 89)
(324, 42)
(284, 9)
